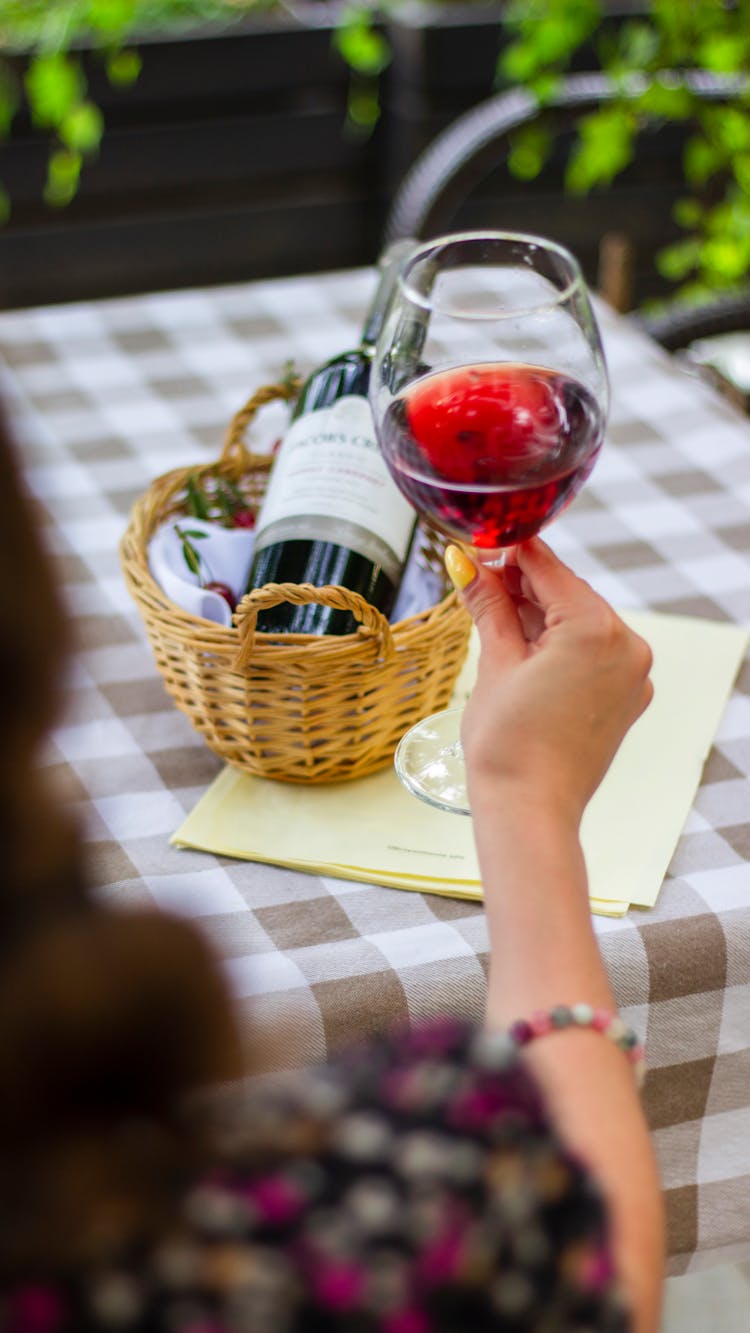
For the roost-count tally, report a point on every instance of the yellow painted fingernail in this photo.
(461, 570)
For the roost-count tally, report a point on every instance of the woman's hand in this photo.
(561, 678)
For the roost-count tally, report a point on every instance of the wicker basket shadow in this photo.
(301, 708)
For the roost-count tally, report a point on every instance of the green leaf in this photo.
(688, 213)
(63, 172)
(112, 18)
(224, 500)
(196, 500)
(676, 261)
(732, 128)
(189, 553)
(544, 87)
(363, 106)
(697, 292)
(520, 62)
(528, 151)
(54, 85)
(725, 259)
(636, 46)
(191, 558)
(559, 37)
(666, 100)
(361, 46)
(741, 171)
(701, 160)
(677, 22)
(724, 52)
(82, 127)
(5, 206)
(605, 147)
(731, 214)
(123, 67)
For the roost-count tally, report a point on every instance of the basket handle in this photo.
(372, 621)
(234, 450)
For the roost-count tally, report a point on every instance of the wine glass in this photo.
(489, 393)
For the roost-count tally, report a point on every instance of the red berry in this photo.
(223, 589)
(243, 518)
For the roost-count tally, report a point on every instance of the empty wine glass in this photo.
(489, 392)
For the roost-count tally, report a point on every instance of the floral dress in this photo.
(411, 1186)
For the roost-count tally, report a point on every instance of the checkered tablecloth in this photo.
(107, 395)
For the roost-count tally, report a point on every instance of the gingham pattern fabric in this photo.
(107, 395)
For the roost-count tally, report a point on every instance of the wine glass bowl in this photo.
(490, 394)
(488, 386)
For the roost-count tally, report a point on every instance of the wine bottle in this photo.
(332, 513)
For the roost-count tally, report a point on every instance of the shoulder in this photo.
(423, 1161)
(444, 1074)
(411, 1183)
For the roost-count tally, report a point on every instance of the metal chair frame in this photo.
(467, 150)
(679, 326)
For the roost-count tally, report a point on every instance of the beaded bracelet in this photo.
(583, 1016)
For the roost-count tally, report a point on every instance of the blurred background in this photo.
(152, 144)
(147, 145)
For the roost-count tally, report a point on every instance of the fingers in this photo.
(513, 601)
(544, 577)
(535, 596)
(521, 593)
(486, 598)
(532, 620)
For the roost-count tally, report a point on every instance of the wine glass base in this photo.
(430, 763)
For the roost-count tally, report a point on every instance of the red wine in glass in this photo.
(489, 393)
(492, 451)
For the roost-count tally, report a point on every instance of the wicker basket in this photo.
(299, 707)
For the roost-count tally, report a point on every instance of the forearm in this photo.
(544, 952)
(543, 948)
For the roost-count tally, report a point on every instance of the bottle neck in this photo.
(389, 267)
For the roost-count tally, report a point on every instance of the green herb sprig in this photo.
(192, 558)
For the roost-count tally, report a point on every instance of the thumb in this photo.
(486, 598)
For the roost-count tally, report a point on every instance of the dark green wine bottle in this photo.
(332, 513)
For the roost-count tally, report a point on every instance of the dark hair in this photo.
(108, 1018)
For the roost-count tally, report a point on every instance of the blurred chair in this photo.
(439, 191)
(680, 325)
(712, 339)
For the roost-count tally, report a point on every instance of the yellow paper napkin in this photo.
(373, 830)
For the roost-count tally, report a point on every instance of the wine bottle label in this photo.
(329, 483)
